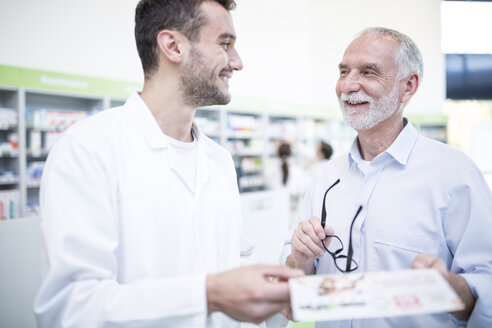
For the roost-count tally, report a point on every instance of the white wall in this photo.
(89, 37)
(290, 48)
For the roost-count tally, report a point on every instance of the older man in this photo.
(397, 200)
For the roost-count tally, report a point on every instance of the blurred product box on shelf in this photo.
(35, 144)
(8, 177)
(251, 164)
(245, 123)
(8, 117)
(208, 126)
(245, 146)
(251, 181)
(284, 129)
(13, 140)
(35, 170)
(9, 204)
(11, 145)
(56, 119)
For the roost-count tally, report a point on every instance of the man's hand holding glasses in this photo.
(306, 244)
(313, 237)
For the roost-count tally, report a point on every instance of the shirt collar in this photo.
(142, 117)
(400, 149)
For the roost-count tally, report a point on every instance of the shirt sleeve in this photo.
(468, 231)
(82, 288)
(247, 249)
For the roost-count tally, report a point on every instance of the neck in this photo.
(166, 105)
(377, 139)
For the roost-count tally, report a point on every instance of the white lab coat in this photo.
(128, 243)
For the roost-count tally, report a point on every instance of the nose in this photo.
(235, 61)
(349, 83)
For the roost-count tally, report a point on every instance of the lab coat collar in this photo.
(142, 117)
(400, 149)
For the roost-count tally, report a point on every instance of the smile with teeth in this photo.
(355, 99)
(357, 102)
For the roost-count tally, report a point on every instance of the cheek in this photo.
(338, 89)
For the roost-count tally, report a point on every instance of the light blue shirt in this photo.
(418, 196)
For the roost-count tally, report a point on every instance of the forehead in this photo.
(219, 20)
(366, 49)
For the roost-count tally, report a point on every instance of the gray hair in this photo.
(409, 59)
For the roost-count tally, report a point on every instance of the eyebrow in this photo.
(227, 36)
(373, 67)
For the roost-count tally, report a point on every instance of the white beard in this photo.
(379, 109)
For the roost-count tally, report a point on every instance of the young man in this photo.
(140, 210)
(419, 203)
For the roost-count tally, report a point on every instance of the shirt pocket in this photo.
(396, 250)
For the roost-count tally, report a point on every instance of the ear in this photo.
(170, 45)
(411, 86)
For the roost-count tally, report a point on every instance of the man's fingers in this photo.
(300, 247)
(318, 231)
(314, 248)
(329, 230)
(281, 271)
(425, 260)
(287, 312)
(269, 309)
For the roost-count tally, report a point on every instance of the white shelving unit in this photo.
(245, 139)
(9, 154)
(24, 145)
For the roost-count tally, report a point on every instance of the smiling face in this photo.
(212, 59)
(368, 89)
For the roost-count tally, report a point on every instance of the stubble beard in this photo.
(197, 84)
(379, 109)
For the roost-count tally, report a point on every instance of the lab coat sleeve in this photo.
(303, 213)
(80, 229)
(468, 231)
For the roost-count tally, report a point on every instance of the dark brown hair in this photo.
(284, 152)
(325, 149)
(153, 16)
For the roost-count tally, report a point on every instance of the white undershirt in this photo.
(185, 155)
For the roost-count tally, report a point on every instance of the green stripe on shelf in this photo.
(37, 79)
(301, 324)
(56, 81)
(9, 75)
(121, 89)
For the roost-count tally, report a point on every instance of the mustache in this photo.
(226, 70)
(356, 97)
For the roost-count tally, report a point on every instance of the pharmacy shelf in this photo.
(35, 108)
(9, 153)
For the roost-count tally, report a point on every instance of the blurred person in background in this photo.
(283, 173)
(324, 151)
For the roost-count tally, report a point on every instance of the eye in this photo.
(225, 45)
(344, 72)
(368, 73)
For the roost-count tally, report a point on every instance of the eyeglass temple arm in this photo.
(350, 252)
(323, 210)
